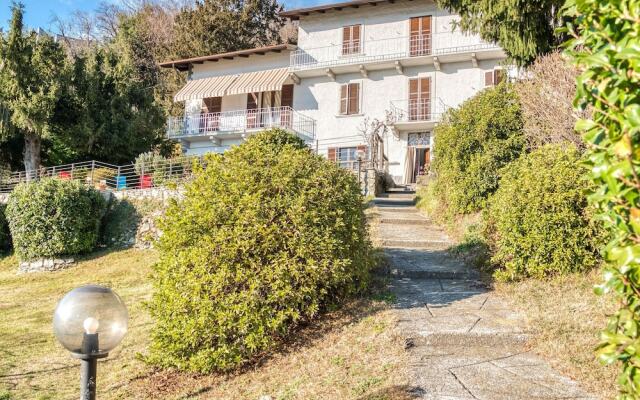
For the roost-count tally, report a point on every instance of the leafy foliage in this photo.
(215, 26)
(474, 142)
(524, 29)
(32, 74)
(52, 217)
(537, 220)
(265, 237)
(606, 47)
(5, 234)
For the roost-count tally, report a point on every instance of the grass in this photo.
(351, 353)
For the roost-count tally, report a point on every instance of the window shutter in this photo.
(354, 98)
(355, 38)
(344, 98)
(488, 78)
(287, 96)
(331, 154)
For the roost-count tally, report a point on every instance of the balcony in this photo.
(387, 53)
(233, 124)
(416, 114)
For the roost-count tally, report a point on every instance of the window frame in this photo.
(348, 111)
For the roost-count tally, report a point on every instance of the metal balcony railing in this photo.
(362, 51)
(207, 124)
(417, 110)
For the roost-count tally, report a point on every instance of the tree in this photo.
(215, 26)
(524, 29)
(31, 80)
(606, 48)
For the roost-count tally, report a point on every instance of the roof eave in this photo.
(184, 64)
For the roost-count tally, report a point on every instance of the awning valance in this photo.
(259, 81)
(206, 87)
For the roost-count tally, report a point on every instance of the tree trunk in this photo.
(32, 144)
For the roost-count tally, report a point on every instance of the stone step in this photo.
(416, 244)
(409, 221)
(466, 339)
(434, 273)
(397, 195)
(392, 209)
(394, 202)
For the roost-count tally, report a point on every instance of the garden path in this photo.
(464, 342)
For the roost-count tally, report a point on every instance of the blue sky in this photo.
(39, 13)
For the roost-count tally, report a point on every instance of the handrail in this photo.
(370, 50)
(219, 123)
(417, 109)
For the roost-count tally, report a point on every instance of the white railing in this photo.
(386, 49)
(240, 121)
(102, 176)
(418, 110)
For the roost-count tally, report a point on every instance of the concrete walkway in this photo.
(463, 342)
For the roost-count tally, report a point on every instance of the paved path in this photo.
(463, 342)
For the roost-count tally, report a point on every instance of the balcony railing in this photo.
(221, 123)
(386, 49)
(418, 110)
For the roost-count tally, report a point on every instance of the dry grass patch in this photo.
(350, 353)
(566, 318)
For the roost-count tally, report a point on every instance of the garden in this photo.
(264, 266)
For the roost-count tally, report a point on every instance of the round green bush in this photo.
(266, 237)
(473, 143)
(5, 235)
(537, 222)
(53, 217)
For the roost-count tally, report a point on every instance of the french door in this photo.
(420, 99)
(420, 36)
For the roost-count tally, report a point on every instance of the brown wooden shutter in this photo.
(355, 38)
(331, 154)
(420, 36)
(419, 99)
(212, 105)
(287, 96)
(488, 78)
(354, 98)
(344, 98)
(351, 39)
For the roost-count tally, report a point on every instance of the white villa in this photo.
(399, 61)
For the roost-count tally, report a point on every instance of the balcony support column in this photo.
(474, 60)
(330, 74)
(295, 78)
(436, 63)
(363, 71)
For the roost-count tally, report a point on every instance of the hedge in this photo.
(537, 222)
(5, 235)
(473, 143)
(266, 237)
(53, 217)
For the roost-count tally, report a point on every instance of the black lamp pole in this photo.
(89, 365)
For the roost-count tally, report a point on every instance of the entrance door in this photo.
(423, 156)
(286, 115)
(420, 36)
(252, 111)
(420, 99)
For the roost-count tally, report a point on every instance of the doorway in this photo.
(422, 162)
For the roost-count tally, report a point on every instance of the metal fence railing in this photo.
(414, 110)
(156, 172)
(221, 123)
(394, 48)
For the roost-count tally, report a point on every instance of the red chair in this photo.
(146, 182)
(64, 175)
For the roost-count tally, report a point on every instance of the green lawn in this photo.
(347, 354)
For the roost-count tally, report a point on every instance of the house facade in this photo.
(396, 64)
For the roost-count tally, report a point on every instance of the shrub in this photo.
(5, 235)
(54, 217)
(265, 237)
(473, 143)
(606, 49)
(537, 220)
(122, 219)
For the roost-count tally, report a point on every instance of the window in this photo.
(420, 36)
(347, 157)
(350, 98)
(351, 39)
(494, 77)
(420, 99)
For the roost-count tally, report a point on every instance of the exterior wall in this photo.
(383, 21)
(318, 98)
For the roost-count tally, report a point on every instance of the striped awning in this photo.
(259, 81)
(206, 87)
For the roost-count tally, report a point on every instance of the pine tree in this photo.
(31, 79)
(524, 29)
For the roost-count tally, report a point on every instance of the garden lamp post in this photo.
(90, 321)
